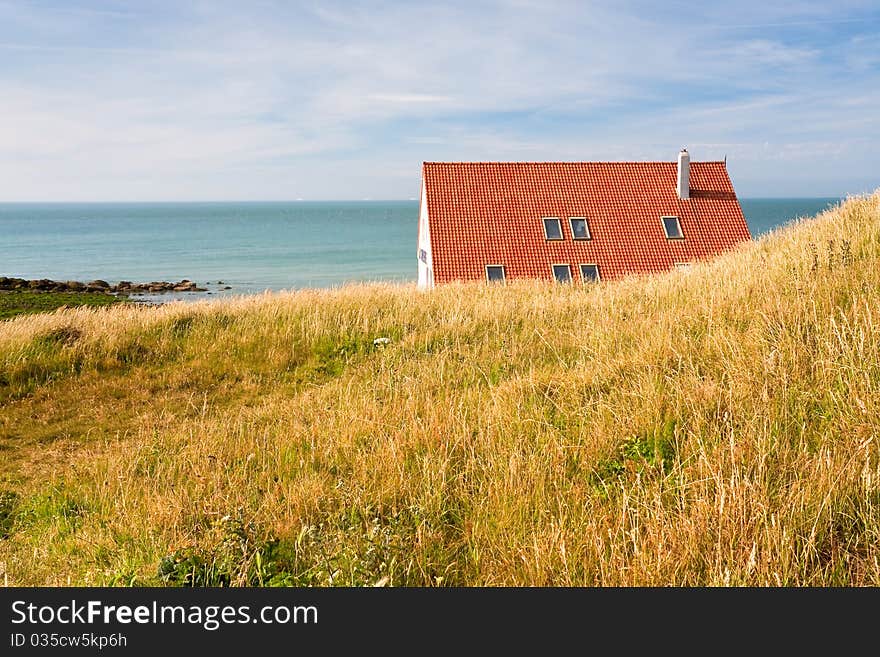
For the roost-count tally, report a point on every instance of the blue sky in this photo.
(344, 100)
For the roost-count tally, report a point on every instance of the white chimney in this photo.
(684, 174)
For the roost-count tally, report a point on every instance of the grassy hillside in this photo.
(716, 426)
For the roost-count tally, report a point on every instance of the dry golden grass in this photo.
(711, 427)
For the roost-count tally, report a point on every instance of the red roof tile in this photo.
(483, 213)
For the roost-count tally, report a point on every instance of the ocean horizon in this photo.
(247, 246)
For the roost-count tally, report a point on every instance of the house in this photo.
(572, 221)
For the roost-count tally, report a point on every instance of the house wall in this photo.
(423, 253)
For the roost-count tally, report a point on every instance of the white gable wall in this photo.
(426, 262)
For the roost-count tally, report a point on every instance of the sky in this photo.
(262, 100)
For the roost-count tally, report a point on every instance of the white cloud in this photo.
(764, 52)
(407, 98)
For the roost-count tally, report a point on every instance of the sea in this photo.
(246, 247)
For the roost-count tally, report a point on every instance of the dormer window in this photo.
(495, 273)
(552, 228)
(672, 228)
(562, 273)
(580, 229)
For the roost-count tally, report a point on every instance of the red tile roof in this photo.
(483, 213)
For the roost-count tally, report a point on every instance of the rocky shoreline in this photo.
(99, 286)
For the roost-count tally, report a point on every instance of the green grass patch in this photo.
(56, 507)
(651, 451)
(8, 511)
(19, 302)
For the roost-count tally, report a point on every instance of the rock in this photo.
(97, 285)
(43, 284)
(11, 283)
(220, 283)
(228, 287)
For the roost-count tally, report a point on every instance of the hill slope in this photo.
(715, 426)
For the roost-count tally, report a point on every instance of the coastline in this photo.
(20, 296)
(100, 286)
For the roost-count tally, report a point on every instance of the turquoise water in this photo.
(249, 246)
(765, 214)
